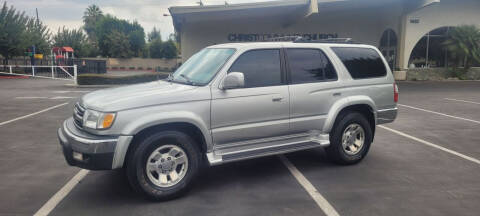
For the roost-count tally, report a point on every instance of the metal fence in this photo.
(52, 72)
(95, 66)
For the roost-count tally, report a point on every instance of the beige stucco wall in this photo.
(139, 62)
(445, 13)
(363, 25)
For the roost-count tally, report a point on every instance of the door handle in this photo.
(337, 94)
(277, 99)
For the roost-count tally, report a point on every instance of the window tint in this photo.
(309, 65)
(361, 62)
(260, 68)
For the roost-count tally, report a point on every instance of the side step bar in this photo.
(259, 149)
(268, 151)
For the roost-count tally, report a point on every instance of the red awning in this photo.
(62, 49)
(67, 49)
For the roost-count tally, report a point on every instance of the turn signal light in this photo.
(108, 120)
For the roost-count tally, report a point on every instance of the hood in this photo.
(141, 95)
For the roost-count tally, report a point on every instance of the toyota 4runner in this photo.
(232, 102)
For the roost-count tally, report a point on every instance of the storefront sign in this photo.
(240, 37)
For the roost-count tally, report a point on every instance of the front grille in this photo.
(78, 112)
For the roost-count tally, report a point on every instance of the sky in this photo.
(149, 13)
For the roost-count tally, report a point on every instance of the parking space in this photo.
(400, 176)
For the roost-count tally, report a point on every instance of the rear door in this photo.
(313, 88)
(261, 108)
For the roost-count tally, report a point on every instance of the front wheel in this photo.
(350, 139)
(163, 165)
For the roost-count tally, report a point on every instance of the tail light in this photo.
(395, 92)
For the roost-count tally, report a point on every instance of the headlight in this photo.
(98, 120)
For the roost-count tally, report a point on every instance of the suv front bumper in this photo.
(90, 151)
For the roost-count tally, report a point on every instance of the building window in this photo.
(388, 47)
(429, 51)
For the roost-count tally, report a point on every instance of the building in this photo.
(408, 32)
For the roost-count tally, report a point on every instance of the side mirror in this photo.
(234, 80)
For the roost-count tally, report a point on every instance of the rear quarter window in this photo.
(360, 62)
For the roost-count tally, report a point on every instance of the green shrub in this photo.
(122, 68)
(140, 68)
(114, 68)
(131, 68)
(102, 79)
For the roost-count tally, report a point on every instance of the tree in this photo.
(131, 30)
(91, 17)
(154, 34)
(12, 30)
(155, 48)
(37, 34)
(136, 39)
(464, 44)
(169, 50)
(76, 39)
(118, 45)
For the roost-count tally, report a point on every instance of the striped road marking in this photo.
(432, 145)
(32, 114)
(443, 114)
(62, 193)
(311, 190)
(464, 101)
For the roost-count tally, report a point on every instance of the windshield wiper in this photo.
(189, 81)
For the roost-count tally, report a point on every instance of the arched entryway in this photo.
(388, 47)
(429, 51)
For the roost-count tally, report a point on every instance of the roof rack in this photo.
(284, 38)
(327, 40)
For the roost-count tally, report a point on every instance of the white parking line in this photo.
(311, 190)
(76, 91)
(50, 98)
(443, 114)
(31, 97)
(62, 193)
(32, 114)
(432, 145)
(465, 101)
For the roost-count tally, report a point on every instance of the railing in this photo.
(43, 71)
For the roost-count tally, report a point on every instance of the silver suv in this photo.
(232, 102)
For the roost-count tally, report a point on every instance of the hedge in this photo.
(102, 79)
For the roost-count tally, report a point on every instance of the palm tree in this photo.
(464, 44)
(91, 16)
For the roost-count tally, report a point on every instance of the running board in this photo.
(233, 153)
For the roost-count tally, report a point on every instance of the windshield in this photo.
(201, 67)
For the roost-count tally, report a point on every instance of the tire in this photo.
(352, 154)
(175, 145)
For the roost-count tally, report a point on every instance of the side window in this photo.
(260, 67)
(309, 65)
(361, 62)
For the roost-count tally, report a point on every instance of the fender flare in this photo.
(341, 104)
(150, 120)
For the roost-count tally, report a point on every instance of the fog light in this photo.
(78, 156)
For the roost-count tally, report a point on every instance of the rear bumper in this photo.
(97, 152)
(386, 115)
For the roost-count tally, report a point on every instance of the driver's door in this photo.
(260, 109)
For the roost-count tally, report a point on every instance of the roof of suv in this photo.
(288, 44)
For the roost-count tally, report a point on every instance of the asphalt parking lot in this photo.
(425, 163)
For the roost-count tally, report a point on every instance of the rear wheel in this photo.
(163, 165)
(350, 139)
